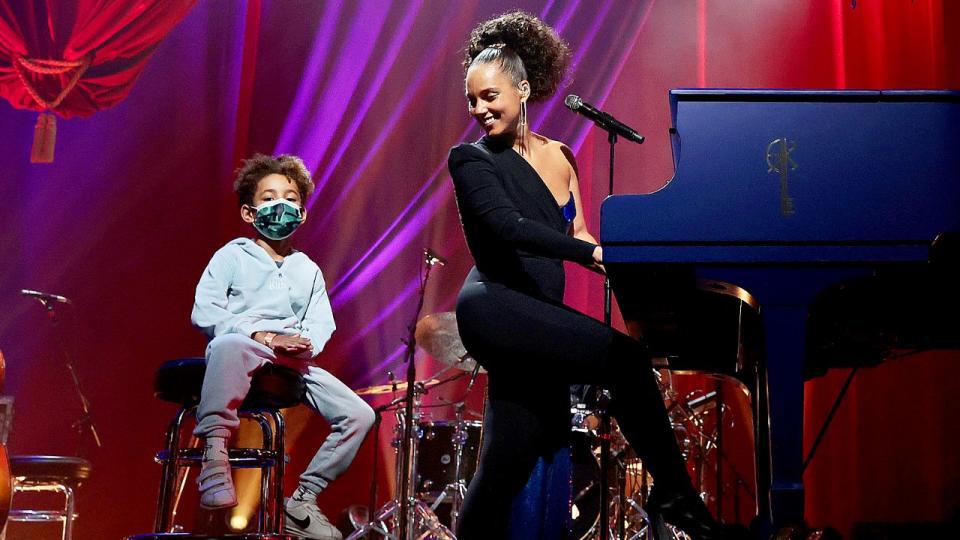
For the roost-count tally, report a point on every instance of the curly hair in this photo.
(526, 48)
(259, 166)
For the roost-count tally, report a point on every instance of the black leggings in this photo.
(534, 350)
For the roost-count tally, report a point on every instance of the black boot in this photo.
(688, 512)
(638, 407)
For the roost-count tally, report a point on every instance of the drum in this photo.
(437, 454)
(628, 481)
(585, 477)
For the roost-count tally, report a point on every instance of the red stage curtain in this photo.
(76, 58)
(891, 452)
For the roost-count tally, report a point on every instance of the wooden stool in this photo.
(273, 388)
(57, 474)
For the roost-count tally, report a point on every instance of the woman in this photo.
(519, 201)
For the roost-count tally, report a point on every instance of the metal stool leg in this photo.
(278, 470)
(68, 512)
(45, 516)
(268, 438)
(168, 473)
(272, 428)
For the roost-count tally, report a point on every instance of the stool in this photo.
(58, 474)
(273, 387)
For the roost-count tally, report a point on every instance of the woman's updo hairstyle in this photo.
(525, 47)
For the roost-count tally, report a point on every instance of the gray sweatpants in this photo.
(231, 361)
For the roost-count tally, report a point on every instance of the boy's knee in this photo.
(364, 418)
(229, 344)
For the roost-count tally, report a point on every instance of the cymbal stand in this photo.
(458, 489)
(422, 522)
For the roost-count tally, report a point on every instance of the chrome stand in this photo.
(458, 489)
(411, 518)
(422, 523)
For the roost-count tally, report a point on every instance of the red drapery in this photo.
(890, 455)
(76, 58)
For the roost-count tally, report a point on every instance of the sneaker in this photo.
(216, 486)
(304, 518)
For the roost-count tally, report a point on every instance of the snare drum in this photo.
(437, 454)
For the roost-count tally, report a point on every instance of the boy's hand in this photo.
(290, 345)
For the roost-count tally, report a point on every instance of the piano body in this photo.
(795, 198)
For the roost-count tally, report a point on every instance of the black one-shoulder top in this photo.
(516, 231)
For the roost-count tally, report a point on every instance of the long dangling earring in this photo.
(523, 127)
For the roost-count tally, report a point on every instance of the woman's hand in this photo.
(597, 265)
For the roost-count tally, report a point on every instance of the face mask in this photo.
(277, 219)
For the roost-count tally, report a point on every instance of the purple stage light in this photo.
(332, 100)
(395, 247)
(358, 114)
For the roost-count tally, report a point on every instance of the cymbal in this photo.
(437, 334)
(388, 388)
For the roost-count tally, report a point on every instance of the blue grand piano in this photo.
(792, 216)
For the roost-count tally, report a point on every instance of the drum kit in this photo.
(442, 455)
(697, 418)
(437, 459)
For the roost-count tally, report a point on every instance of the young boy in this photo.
(262, 301)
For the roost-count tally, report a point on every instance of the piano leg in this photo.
(785, 327)
(784, 295)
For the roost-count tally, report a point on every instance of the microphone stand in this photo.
(85, 422)
(604, 433)
(604, 411)
(611, 126)
(405, 517)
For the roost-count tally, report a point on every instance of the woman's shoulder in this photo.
(470, 152)
(555, 151)
(547, 145)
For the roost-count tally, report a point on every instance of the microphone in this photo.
(473, 376)
(602, 119)
(44, 297)
(432, 258)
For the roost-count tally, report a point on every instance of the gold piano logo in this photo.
(780, 162)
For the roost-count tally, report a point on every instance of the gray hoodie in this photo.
(243, 291)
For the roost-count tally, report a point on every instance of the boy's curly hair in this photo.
(257, 167)
(526, 47)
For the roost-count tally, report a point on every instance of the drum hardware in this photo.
(428, 449)
(410, 514)
(422, 523)
(466, 450)
(629, 483)
(390, 388)
(437, 334)
(600, 402)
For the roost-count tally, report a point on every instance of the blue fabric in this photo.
(542, 510)
(570, 209)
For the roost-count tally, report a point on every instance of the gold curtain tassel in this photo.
(44, 139)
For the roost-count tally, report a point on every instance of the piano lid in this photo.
(797, 176)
